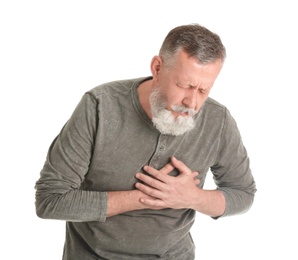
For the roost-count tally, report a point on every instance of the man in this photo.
(127, 170)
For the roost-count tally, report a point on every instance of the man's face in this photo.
(179, 93)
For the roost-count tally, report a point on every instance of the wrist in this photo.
(124, 201)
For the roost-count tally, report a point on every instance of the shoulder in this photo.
(114, 88)
(214, 108)
(216, 113)
(213, 104)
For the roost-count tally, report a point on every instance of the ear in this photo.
(156, 64)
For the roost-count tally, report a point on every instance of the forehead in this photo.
(183, 62)
(190, 72)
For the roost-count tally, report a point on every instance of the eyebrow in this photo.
(179, 84)
(186, 84)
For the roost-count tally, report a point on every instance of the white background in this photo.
(53, 51)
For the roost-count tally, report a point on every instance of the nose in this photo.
(190, 100)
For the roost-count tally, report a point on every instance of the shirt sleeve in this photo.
(58, 194)
(232, 173)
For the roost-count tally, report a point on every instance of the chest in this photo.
(116, 160)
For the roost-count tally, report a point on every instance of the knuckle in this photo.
(152, 183)
(158, 175)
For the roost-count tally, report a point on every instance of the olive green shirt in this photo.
(106, 141)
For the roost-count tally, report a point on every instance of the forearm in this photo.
(74, 205)
(237, 201)
(124, 201)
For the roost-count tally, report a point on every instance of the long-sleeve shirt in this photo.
(107, 140)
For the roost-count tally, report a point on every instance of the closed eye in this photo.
(203, 91)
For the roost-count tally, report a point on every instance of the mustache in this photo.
(183, 109)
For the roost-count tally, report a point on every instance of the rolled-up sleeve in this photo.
(58, 194)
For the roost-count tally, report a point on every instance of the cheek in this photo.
(175, 99)
(171, 95)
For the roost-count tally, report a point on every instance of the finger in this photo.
(180, 166)
(153, 203)
(149, 190)
(195, 174)
(152, 182)
(197, 180)
(161, 175)
(167, 169)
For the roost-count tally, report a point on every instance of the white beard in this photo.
(163, 119)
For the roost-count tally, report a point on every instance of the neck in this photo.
(144, 91)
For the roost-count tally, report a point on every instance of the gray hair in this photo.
(195, 40)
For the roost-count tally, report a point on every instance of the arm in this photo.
(58, 193)
(232, 173)
(124, 201)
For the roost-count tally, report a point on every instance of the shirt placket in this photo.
(159, 154)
